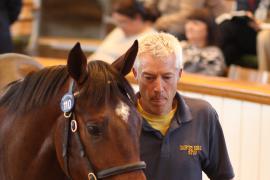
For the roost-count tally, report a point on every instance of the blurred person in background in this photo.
(133, 18)
(200, 53)
(262, 14)
(9, 12)
(239, 30)
(175, 12)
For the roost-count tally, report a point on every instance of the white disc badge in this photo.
(67, 102)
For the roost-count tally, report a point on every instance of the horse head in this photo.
(98, 134)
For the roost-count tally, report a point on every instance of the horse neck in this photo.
(33, 133)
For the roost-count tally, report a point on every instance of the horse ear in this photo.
(125, 62)
(77, 63)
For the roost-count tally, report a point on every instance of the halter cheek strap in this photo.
(72, 125)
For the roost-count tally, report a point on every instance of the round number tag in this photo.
(67, 102)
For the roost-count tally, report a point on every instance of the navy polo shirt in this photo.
(193, 143)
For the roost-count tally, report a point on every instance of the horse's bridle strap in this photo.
(121, 169)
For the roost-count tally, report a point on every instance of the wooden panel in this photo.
(231, 125)
(264, 166)
(67, 43)
(217, 103)
(250, 141)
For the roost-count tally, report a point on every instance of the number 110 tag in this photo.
(67, 102)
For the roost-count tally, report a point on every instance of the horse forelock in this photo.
(105, 84)
(34, 90)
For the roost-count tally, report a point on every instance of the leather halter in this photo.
(72, 125)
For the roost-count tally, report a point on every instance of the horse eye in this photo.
(94, 130)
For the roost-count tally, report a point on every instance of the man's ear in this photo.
(180, 73)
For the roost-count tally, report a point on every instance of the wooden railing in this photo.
(67, 43)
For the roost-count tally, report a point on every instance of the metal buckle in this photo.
(73, 126)
(92, 176)
(67, 114)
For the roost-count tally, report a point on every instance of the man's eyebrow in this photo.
(148, 73)
(153, 74)
(168, 74)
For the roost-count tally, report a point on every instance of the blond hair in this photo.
(160, 45)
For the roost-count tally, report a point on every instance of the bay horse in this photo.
(77, 122)
(15, 66)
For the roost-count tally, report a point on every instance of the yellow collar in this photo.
(160, 123)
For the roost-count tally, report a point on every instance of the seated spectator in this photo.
(263, 50)
(263, 36)
(239, 31)
(133, 19)
(200, 54)
(175, 12)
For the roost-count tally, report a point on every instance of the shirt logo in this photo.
(191, 150)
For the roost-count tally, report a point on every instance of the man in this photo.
(243, 37)
(181, 137)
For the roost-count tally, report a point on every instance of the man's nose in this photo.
(158, 87)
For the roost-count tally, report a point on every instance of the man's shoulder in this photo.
(201, 111)
(197, 105)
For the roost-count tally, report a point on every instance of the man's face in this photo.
(157, 79)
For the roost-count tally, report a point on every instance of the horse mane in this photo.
(34, 90)
(38, 88)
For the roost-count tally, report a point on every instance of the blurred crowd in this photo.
(214, 34)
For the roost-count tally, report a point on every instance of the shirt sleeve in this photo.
(218, 166)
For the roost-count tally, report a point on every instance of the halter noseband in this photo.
(67, 106)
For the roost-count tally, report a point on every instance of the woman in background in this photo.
(200, 53)
(133, 19)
